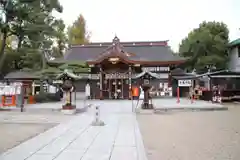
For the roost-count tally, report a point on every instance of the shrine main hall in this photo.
(116, 67)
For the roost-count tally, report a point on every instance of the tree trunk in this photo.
(44, 61)
(41, 86)
(2, 54)
(20, 39)
(60, 48)
(4, 41)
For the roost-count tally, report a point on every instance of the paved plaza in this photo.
(183, 102)
(76, 139)
(186, 104)
(205, 135)
(28, 125)
(161, 103)
(171, 136)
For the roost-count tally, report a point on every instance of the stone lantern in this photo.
(146, 89)
(68, 78)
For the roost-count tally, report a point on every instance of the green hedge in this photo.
(47, 97)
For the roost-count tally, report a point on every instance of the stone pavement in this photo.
(76, 139)
(186, 104)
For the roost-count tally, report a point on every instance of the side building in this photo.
(234, 55)
(117, 66)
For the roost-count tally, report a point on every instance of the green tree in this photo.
(206, 47)
(12, 62)
(77, 32)
(40, 30)
(75, 66)
(40, 34)
(12, 58)
(8, 13)
(35, 29)
(60, 39)
(32, 22)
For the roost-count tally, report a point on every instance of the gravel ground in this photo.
(192, 135)
(17, 127)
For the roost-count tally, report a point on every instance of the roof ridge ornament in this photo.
(116, 40)
(117, 48)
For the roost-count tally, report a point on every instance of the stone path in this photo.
(76, 139)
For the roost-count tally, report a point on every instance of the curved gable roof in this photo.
(153, 51)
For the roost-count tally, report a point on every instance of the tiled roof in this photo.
(21, 75)
(83, 53)
(138, 51)
(235, 43)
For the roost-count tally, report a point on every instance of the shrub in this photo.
(47, 97)
(40, 98)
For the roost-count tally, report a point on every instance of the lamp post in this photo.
(146, 87)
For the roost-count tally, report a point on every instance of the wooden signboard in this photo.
(8, 93)
(185, 83)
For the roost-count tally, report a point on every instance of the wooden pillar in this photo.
(130, 81)
(70, 97)
(90, 82)
(169, 77)
(101, 83)
(169, 80)
(33, 88)
(122, 88)
(116, 88)
(210, 83)
(109, 88)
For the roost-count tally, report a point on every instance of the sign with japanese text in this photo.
(10, 89)
(155, 69)
(185, 83)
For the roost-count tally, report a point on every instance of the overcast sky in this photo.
(149, 20)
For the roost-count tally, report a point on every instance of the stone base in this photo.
(191, 109)
(150, 106)
(68, 112)
(98, 123)
(68, 109)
